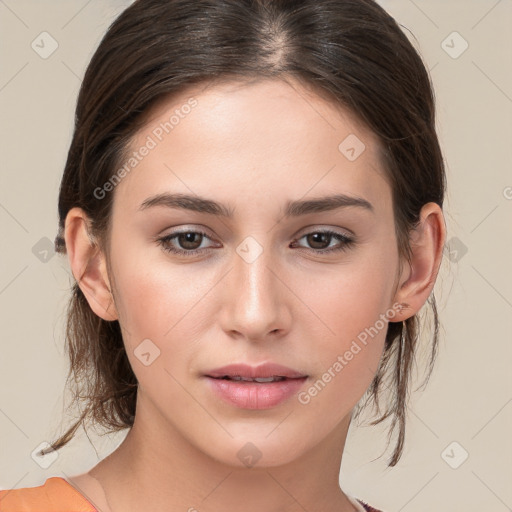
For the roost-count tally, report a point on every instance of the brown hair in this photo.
(349, 50)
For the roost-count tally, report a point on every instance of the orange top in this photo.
(58, 495)
(55, 495)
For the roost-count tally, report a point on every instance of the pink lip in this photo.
(255, 395)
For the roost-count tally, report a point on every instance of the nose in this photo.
(256, 301)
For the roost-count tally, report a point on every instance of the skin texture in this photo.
(252, 147)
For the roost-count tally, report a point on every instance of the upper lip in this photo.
(253, 372)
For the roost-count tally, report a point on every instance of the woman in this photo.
(252, 210)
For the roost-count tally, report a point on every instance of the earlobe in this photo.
(419, 277)
(88, 265)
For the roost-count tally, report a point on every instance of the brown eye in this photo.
(319, 241)
(189, 240)
(184, 242)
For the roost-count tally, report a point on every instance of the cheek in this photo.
(156, 308)
(348, 314)
(349, 299)
(152, 293)
(345, 363)
(165, 303)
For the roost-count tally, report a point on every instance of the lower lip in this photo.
(255, 395)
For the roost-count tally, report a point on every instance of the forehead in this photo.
(270, 137)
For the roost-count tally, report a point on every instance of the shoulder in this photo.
(55, 495)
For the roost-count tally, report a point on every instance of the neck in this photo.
(158, 469)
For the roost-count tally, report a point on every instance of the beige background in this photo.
(469, 398)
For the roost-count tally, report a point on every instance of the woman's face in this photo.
(262, 285)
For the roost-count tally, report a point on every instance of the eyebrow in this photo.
(293, 208)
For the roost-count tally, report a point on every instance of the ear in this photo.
(88, 264)
(419, 276)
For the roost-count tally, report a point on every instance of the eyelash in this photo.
(347, 242)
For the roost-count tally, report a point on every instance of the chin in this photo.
(259, 450)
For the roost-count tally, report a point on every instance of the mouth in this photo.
(261, 387)
(261, 380)
(267, 372)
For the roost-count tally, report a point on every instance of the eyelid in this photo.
(314, 228)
